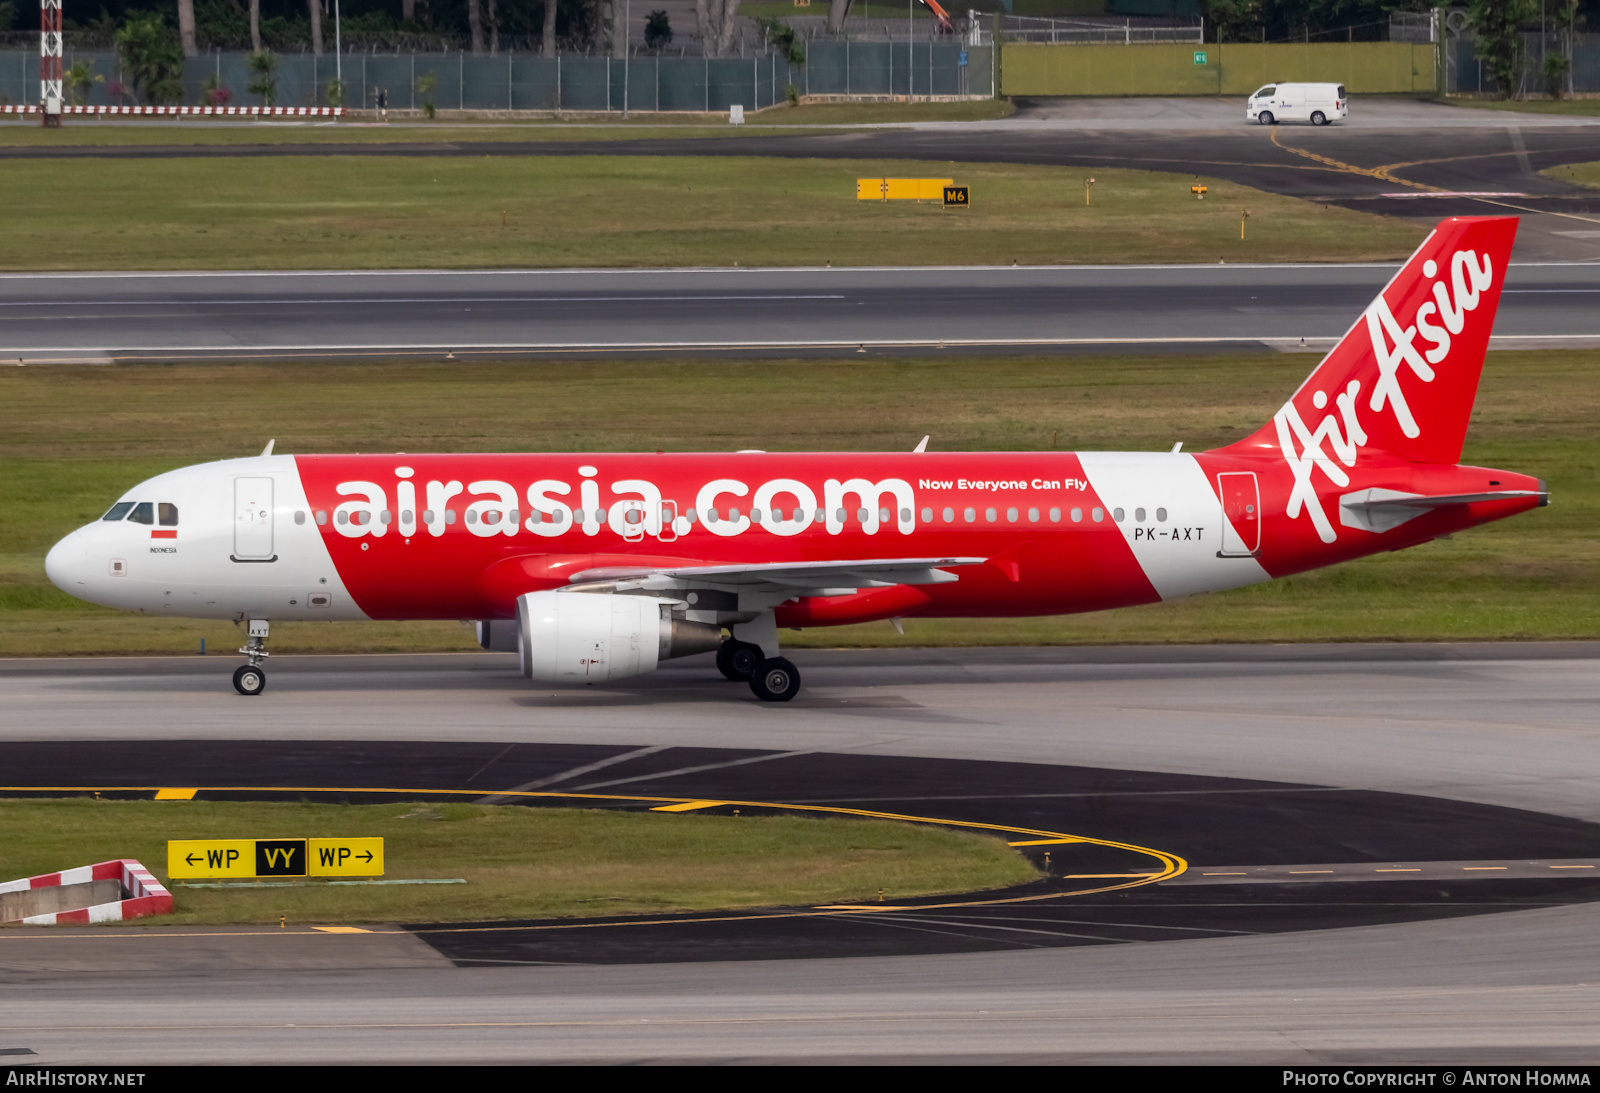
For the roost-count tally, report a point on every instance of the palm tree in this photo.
(716, 21)
(186, 28)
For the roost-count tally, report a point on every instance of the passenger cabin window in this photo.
(143, 513)
(168, 514)
(118, 511)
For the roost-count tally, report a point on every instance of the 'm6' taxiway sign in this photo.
(193, 859)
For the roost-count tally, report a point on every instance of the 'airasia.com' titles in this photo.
(1392, 347)
(635, 507)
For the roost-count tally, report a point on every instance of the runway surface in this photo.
(1451, 732)
(354, 315)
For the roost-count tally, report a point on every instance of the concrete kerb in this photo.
(108, 891)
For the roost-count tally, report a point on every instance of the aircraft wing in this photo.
(858, 573)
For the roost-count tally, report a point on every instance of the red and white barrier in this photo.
(192, 111)
(144, 895)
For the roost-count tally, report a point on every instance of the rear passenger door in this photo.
(1241, 513)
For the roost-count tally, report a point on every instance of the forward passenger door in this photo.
(252, 520)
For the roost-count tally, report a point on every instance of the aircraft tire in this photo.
(737, 660)
(777, 680)
(249, 679)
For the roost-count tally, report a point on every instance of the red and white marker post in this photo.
(50, 98)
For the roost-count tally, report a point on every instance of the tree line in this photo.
(481, 26)
(1368, 20)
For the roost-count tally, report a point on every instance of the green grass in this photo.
(1579, 174)
(1570, 107)
(74, 438)
(519, 862)
(381, 212)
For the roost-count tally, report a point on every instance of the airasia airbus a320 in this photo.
(599, 567)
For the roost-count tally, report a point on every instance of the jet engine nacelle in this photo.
(578, 637)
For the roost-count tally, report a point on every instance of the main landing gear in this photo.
(772, 679)
(738, 660)
(251, 678)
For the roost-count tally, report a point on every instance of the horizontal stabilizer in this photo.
(1380, 510)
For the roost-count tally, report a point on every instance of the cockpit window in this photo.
(169, 515)
(118, 511)
(143, 513)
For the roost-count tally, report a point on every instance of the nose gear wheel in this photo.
(248, 679)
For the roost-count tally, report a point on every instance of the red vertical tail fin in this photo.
(1403, 378)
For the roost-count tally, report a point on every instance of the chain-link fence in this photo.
(1085, 31)
(511, 81)
(1466, 73)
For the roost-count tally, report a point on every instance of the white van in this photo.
(1317, 103)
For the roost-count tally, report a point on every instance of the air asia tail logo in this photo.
(1393, 346)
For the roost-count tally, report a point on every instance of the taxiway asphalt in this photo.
(1430, 735)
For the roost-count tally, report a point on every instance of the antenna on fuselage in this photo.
(268, 449)
(922, 446)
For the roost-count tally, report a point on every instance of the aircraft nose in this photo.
(64, 565)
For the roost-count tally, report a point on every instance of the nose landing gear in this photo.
(251, 678)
